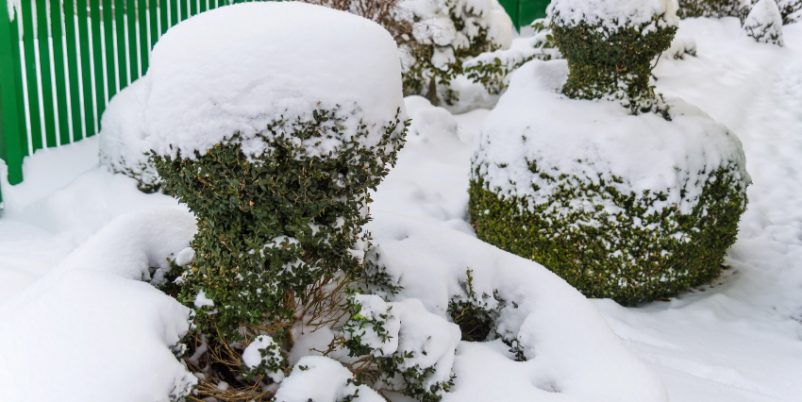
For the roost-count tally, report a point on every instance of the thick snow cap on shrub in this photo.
(648, 151)
(613, 14)
(123, 138)
(765, 23)
(237, 68)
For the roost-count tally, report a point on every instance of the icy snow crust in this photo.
(598, 139)
(612, 14)
(237, 68)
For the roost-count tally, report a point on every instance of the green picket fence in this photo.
(62, 60)
(523, 12)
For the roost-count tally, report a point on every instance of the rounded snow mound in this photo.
(235, 69)
(598, 139)
(613, 13)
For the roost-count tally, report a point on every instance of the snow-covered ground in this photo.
(738, 340)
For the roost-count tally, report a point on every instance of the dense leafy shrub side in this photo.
(280, 238)
(635, 255)
(714, 8)
(614, 63)
(272, 225)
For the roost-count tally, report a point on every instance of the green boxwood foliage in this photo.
(493, 69)
(425, 71)
(714, 8)
(613, 62)
(271, 227)
(635, 255)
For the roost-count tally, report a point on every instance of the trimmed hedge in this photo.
(272, 226)
(633, 256)
(614, 63)
(609, 236)
(713, 8)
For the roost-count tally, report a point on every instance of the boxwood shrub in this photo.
(273, 225)
(632, 239)
(635, 255)
(613, 62)
(714, 8)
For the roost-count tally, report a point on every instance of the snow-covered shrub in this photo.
(273, 134)
(435, 37)
(475, 314)
(402, 347)
(680, 49)
(123, 139)
(764, 23)
(714, 8)
(611, 46)
(492, 69)
(791, 10)
(633, 207)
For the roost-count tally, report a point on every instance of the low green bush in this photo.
(634, 255)
(714, 8)
(558, 197)
(271, 227)
(613, 62)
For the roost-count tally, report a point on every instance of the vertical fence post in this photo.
(12, 127)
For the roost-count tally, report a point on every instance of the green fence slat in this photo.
(153, 22)
(71, 34)
(61, 94)
(173, 11)
(119, 29)
(48, 106)
(145, 25)
(523, 12)
(204, 5)
(85, 53)
(130, 34)
(532, 10)
(184, 10)
(164, 21)
(31, 79)
(193, 7)
(110, 66)
(12, 126)
(100, 80)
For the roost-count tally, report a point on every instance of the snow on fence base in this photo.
(54, 91)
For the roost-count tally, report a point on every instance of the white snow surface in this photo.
(89, 328)
(237, 68)
(123, 137)
(613, 13)
(320, 379)
(533, 121)
(71, 333)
